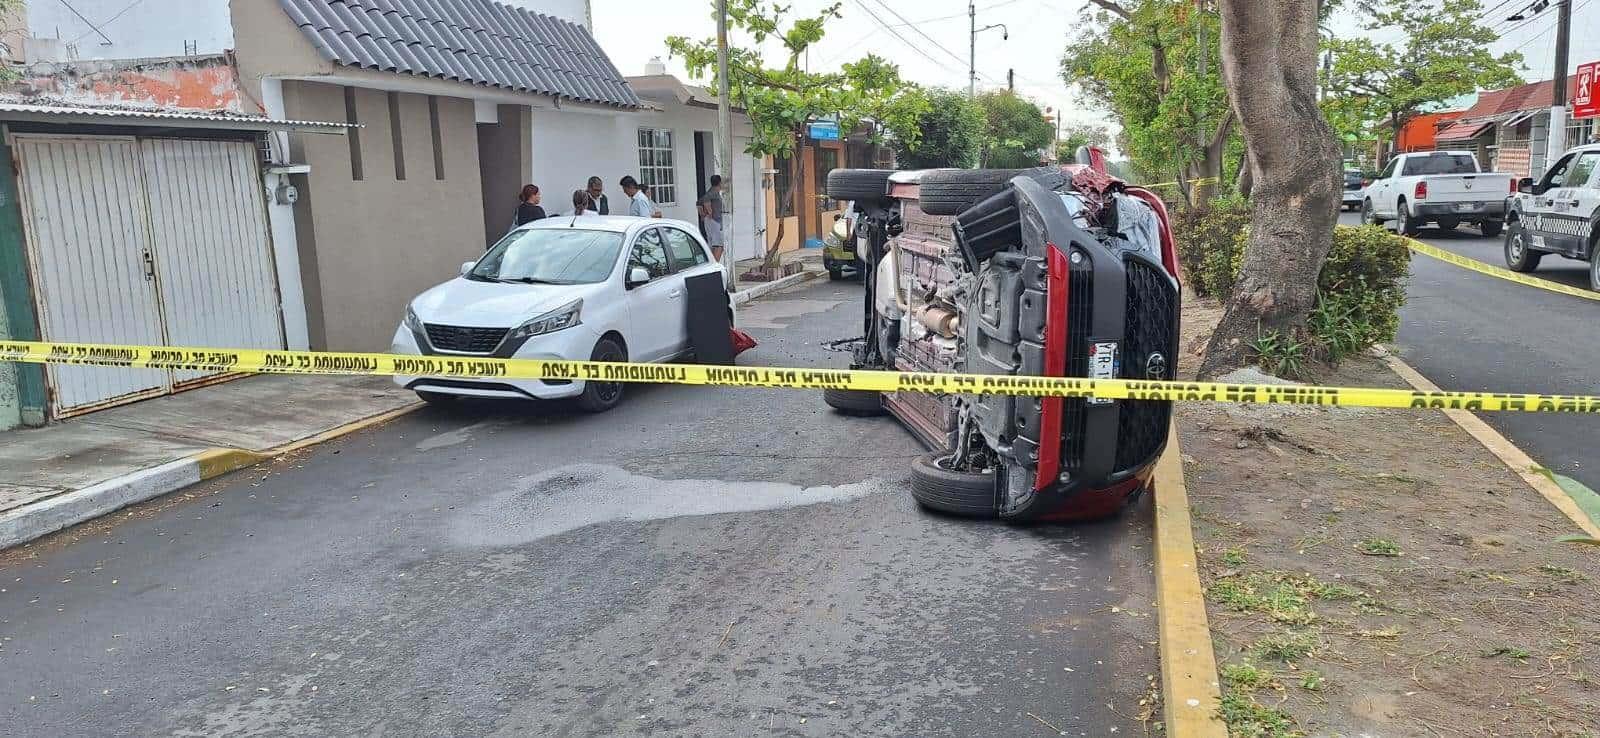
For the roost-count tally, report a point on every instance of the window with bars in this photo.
(656, 168)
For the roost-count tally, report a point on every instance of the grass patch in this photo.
(1247, 677)
(1247, 718)
(1562, 573)
(1312, 682)
(1284, 598)
(1377, 547)
(1286, 647)
(1511, 652)
(1233, 557)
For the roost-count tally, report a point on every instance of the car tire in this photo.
(952, 191)
(1520, 256)
(1406, 225)
(437, 398)
(1449, 224)
(1491, 228)
(862, 403)
(1369, 216)
(936, 487)
(599, 397)
(1594, 269)
(871, 185)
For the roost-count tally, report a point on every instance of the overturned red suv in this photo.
(1044, 272)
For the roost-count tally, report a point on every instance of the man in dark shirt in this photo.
(529, 210)
(597, 193)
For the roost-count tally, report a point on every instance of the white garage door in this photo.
(144, 241)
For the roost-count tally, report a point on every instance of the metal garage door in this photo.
(148, 241)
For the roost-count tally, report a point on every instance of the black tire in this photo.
(859, 184)
(1369, 216)
(599, 397)
(1520, 256)
(437, 398)
(862, 403)
(951, 191)
(1408, 226)
(936, 487)
(1594, 268)
(835, 273)
(1491, 228)
(1449, 224)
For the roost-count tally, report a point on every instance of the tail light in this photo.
(1366, 183)
(1422, 189)
(1514, 189)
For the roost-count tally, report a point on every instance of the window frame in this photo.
(666, 252)
(1545, 183)
(1584, 156)
(1388, 171)
(695, 247)
(662, 178)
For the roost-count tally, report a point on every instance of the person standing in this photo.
(639, 204)
(582, 203)
(529, 210)
(602, 205)
(710, 205)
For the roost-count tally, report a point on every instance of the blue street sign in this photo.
(823, 131)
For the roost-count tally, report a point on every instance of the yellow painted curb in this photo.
(218, 461)
(1191, 693)
(1508, 453)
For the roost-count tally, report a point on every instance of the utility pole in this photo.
(1557, 138)
(972, 49)
(725, 142)
(1011, 80)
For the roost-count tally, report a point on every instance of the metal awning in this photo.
(1524, 115)
(163, 118)
(1462, 131)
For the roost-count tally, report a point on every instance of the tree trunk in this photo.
(1247, 175)
(1269, 62)
(1208, 171)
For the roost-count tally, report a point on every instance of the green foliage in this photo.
(1377, 547)
(1233, 557)
(1145, 65)
(1286, 647)
(1207, 244)
(1247, 718)
(1587, 500)
(1444, 53)
(1079, 135)
(1312, 682)
(1246, 677)
(782, 98)
(1015, 132)
(1280, 355)
(950, 134)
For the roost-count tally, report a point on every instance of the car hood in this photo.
(466, 302)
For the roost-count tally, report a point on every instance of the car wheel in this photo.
(1449, 224)
(1520, 256)
(1491, 228)
(437, 398)
(864, 403)
(835, 273)
(936, 486)
(1408, 225)
(951, 191)
(868, 185)
(1594, 270)
(599, 397)
(1368, 215)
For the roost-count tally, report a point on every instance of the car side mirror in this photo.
(1526, 186)
(466, 267)
(637, 276)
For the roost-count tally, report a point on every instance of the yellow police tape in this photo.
(307, 362)
(1499, 272)
(1202, 180)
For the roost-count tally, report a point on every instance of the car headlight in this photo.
(412, 321)
(560, 318)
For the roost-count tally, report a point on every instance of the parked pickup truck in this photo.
(1441, 187)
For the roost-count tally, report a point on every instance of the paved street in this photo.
(1469, 331)
(697, 562)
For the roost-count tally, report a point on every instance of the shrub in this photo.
(1207, 241)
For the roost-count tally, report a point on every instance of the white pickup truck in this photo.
(1441, 187)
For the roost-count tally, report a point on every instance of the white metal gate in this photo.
(144, 241)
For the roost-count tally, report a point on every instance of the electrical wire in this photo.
(919, 32)
(903, 39)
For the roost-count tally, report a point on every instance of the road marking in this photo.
(1191, 693)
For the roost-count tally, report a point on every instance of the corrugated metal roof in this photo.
(475, 41)
(110, 115)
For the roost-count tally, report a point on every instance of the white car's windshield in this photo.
(550, 256)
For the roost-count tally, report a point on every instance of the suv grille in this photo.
(1149, 330)
(465, 340)
(1080, 316)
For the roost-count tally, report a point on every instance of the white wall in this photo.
(569, 146)
(149, 28)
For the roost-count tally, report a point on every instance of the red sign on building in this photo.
(1586, 94)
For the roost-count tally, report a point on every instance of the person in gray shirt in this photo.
(710, 205)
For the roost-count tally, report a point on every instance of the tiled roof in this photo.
(1522, 98)
(1462, 131)
(475, 41)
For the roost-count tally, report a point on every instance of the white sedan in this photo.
(601, 288)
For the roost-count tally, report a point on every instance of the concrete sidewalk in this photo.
(63, 474)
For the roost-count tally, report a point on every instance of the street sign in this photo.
(823, 131)
(1586, 98)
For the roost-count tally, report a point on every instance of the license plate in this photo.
(1102, 365)
(1466, 207)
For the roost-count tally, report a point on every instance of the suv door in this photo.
(1573, 205)
(1380, 191)
(1552, 223)
(688, 259)
(655, 308)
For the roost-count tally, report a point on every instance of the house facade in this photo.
(799, 211)
(1509, 129)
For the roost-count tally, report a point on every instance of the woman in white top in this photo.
(582, 203)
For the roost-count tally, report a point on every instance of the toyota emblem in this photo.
(1155, 367)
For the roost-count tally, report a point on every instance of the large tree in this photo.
(1015, 131)
(1154, 64)
(949, 134)
(1269, 60)
(1444, 53)
(1078, 135)
(782, 97)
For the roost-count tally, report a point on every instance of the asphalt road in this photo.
(1469, 331)
(697, 562)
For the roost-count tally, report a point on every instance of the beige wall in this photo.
(367, 247)
(268, 44)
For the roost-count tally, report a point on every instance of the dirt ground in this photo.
(1378, 572)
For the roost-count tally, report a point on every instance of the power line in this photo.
(903, 39)
(1536, 36)
(919, 32)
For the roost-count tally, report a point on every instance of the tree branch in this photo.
(1224, 128)
(1115, 9)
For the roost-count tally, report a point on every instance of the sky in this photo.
(928, 39)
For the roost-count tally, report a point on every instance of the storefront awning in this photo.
(1463, 131)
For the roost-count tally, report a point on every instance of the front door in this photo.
(689, 259)
(1559, 223)
(655, 308)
